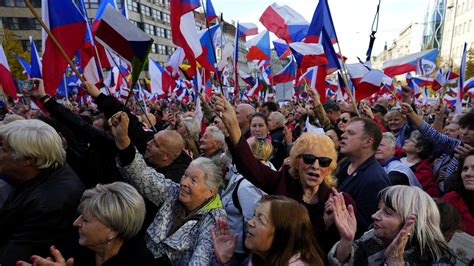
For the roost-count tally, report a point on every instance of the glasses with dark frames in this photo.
(309, 159)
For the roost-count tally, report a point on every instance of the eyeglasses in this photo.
(344, 120)
(309, 159)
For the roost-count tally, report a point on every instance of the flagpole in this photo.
(55, 41)
(344, 77)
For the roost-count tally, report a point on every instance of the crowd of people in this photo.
(233, 182)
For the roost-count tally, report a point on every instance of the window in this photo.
(20, 3)
(11, 23)
(170, 50)
(154, 48)
(91, 3)
(146, 10)
(168, 34)
(161, 49)
(135, 7)
(165, 17)
(148, 28)
(155, 13)
(160, 32)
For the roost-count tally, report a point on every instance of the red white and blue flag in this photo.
(208, 39)
(6, 79)
(35, 67)
(210, 12)
(242, 30)
(69, 30)
(462, 73)
(287, 74)
(408, 63)
(308, 54)
(468, 84)
(259, 47)
(321, 19)
(281, 48)
(90, 70)
(183, 29)
(160, 79)
(285, 23)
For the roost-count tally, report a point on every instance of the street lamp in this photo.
(452, 31)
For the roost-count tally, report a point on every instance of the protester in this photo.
(344, 119)
(42, 206)
(406, 231)
(361, 176)
(276, 126)
(269, 107)
(188, 210)
(397, 124)
(463, 195)
(398, 173)
(243, 112)
(189, 129)
(259, 125)
(307, 179)
(212, 143)
(279, 233)
(111, 214)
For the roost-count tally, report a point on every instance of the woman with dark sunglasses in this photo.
(307, 178)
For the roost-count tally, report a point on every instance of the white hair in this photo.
(406, 200)
(118, 205)
(278, 118)
(34, 139)
(212, 172)
(390, 138)
(216, 134)
(192, 126)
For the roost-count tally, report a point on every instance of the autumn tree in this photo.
(13, 48)
(470, 64)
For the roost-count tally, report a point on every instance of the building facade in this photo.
(434, 24)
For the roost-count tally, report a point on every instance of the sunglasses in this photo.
(344, 120)
(309, 159)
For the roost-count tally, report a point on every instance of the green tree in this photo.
(12, 47)
(470, 64)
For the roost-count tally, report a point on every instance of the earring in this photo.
(109, 240)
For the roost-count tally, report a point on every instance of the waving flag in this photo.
(462, 73)
(315, 77)
(469, 84)
(333, 59)
(259, 47)
(407, 63)
(210, 12)
(87, 53)
(35, 61)
(366, 80)
(207, 38)
(246, 77)
(174, 61)
(285, 23)
(439, 80)
(308, 54)
(321, 19)
(160, 80)
(6, 79)
(105, 58)
(25, 65)
(281, 48)
(257, 87)
(424, 67)
(118, 34)
(288, 73)
(69, 30)
(183, 29)
(247, 29)
(242, 30)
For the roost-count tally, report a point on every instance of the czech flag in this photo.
(68, 26)
(257, 87)
(183, 29)
(462, 73)
(321, 19)
(160, 80)
(6, 79)
(281, 48)
(287, 74)
(366, 81)
(469, 84)
(207, 38)
(408, 63)
(308, 54)
(35, 61)
(25, 65)
(246, 77)
(259, 47)
(210, 12)
(285, 23)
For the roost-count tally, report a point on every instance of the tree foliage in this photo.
(470, 64)
(12, 47)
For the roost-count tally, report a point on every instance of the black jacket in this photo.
(38, 214)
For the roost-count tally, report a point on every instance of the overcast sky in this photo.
(352, 18)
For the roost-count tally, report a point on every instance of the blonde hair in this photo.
(405, 200)
(118, 205)
(262, 149)
(34, 139)
(192, 126)
(310, 141)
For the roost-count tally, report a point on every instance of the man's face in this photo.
(466, 135)
(299, 112)
(272, 124)
(265, 111)
(155, 152)
(451, 130)
(354, 139)
(242, 116)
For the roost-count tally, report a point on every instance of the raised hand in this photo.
(394, 252)
(406, 108)
(91, 89)
(344, 218)
(39, 261)
(314, 95)
(227, 113)
(462, 151)
(119, 125)
(366, 110)
(224, 242)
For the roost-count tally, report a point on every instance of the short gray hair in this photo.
(217, 134)
(212, 172)
(35, 139)
(118, 205)
(278, 117)
(390, 138)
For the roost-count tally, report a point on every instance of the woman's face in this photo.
(208, 144)
(334, 137)
(312, 171)
(387, 223)
(260, 231)
(395, 122)
(467, 173)
(258, 128)
(194, 190)
(92, 233)
(344, 119)
(410, 145)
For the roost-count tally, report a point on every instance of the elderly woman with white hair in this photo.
(212, 143)
(187, 211)
(406, 231)
(110, 215)
(40, 210)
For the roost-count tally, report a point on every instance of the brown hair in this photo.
(293, 233)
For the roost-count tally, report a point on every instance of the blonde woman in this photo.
(406, 231)
(307, 179)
